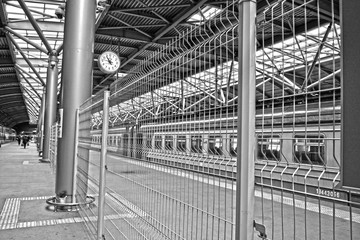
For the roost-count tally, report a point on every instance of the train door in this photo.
(138, 146)
(132, 143)
(125, 144)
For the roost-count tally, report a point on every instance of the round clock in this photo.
(109, 62)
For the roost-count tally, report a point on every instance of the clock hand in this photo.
(109, 60)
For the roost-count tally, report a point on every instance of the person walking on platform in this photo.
(25, 141)
(19, 140)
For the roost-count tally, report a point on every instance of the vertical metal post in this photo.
(79, 33)
(104, 134)
(50, 103)
(246, 127)
(350, 84)
(41, 124)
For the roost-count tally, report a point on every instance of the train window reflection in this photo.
(269, 147)
(139, 140)
(169, 142)
(158, 142)
(309, 149)
(233, 146)
(148, 141)
(215, 145)
(196, 144)
(181, 143)
(126, 144)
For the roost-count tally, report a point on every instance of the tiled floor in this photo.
(25, 184)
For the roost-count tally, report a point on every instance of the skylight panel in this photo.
(203, 15)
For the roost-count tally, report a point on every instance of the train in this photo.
(6, 134)
(298, 157)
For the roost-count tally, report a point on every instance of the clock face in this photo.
(109, 62)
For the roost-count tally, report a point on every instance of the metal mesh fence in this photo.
(54, 134)
(298, 124)
(172, 140)
(87, 176)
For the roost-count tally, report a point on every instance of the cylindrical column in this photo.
(50, 103)
(41, 125)
(102, 185)
(77, 65)
(246, 127)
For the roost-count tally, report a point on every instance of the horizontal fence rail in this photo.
(172, 137)
(54, 134)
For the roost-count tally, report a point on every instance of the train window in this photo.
(181, 143)
(215, 145)
(158, 142)
(196, 144)
(118, 140)
(269, 147)
(169, 142)
(126, 140)
(139, 139)
(233, 146)
(125, 144)
(148, 141)
(309, 149)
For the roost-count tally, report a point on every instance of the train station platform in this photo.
(25, 184)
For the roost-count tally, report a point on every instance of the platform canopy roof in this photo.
(135, 29)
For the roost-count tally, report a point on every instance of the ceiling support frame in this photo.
(37, 46)
(26, 58)
(316, 58)
(35, 25)
(29, 93)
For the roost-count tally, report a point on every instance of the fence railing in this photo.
(54, 134)
(165, 163)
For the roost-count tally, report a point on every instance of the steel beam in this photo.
(316, 58)
(32, 98)
(25, 58)
(17, 66)
(35, 25)
(79, 34)
(178, 19)
(31, 86)
(37, 46)
(45, 26)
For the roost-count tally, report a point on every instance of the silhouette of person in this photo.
(25, 140)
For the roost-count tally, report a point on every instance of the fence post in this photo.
(101, 204)
(244, 225)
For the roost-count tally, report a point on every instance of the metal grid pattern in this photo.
(139, 27)
(173, 162)
(298, 125)
(172, 140)
(53, 146)
(30, 55)
(87, 176)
